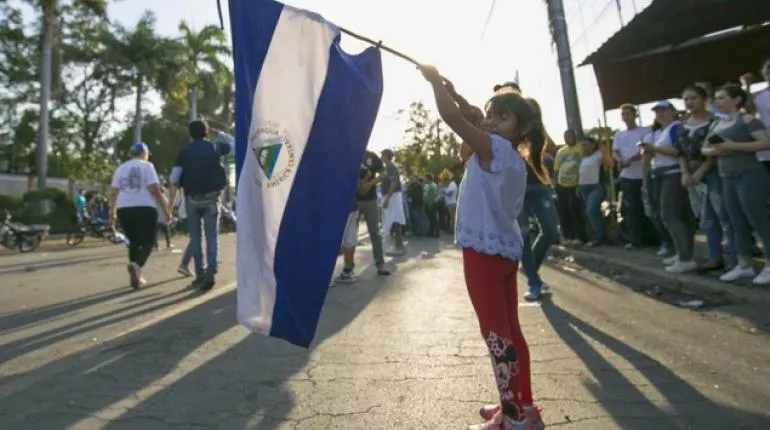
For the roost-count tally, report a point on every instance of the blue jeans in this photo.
(745, 198)
(538, 202)
(593, 195)
(419, 221)
(653, 198)
(714, 220)
(203, 213)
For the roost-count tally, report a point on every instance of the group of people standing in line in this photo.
(706, 168)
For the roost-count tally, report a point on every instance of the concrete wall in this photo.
(17, 185)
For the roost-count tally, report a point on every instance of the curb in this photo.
(698, 285)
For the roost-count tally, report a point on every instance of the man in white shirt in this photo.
(625, 150)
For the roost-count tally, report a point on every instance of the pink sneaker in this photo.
(495, 423)
(488, 412)
(532, 418)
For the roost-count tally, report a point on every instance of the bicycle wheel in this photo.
(29, 243)
(75, 237)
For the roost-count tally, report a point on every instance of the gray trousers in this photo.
(676, 215)
(369, 210)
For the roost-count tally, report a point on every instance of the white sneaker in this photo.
(671, 260)
(662, 252)
(737, 273)
(763, 278)
(682, 267)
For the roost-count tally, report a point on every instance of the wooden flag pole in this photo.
(380, 46)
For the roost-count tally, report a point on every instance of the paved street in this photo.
(80, 350)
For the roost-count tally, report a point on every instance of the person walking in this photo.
(199, 171)
(393, 211)
(135, 200)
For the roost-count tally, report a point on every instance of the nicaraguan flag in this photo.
(304, 111)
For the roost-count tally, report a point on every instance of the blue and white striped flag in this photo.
(304, 112)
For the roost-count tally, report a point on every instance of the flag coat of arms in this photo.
(304, 112)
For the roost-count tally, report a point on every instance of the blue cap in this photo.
(140, 148)
(663, 104)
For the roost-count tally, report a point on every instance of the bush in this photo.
(11, 204)
(49, 206)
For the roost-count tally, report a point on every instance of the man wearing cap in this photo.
(135, 200)
(199, 171)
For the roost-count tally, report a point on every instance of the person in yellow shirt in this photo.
(566, 166)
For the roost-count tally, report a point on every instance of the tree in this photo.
(49, 10)
(201, 54)
(142, 58)
(90, 85)
(429, 146)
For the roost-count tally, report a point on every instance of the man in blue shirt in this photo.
(79, 201)
(199, 171)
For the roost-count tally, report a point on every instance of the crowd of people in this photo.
(702, 169)
(707, 168)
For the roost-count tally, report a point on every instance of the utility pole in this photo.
(559, 32)
(620, 12)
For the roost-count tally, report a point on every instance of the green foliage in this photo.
(11, 204)
(429, 146)
(96, 64)
(62, 213)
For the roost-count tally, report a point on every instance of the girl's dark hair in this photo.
(735, 91)
(514, 104)
(537, 138)
(700, 91)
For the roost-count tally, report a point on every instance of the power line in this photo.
(489, 18)
(590, 26)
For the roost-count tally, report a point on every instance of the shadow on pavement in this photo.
(30, 318)
(754, 314)
(34, 266)
(624, 402)
(236, 385)
(60, 333)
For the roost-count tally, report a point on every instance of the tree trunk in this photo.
(45, 93)
(192, 103)
(138, 110)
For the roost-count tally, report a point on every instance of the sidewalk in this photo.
(644, 264)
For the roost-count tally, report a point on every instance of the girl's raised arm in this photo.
(475, 138)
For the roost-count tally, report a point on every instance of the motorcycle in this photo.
(95, 227)
(25, 238)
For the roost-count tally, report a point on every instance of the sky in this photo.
(455, 36)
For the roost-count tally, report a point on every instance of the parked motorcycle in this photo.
(25, 238)
(89, 227)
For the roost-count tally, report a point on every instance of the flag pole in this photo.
(380, 45)
(346, 31)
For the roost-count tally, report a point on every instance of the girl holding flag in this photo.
(490, 200)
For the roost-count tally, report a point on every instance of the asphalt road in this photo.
(80, 350)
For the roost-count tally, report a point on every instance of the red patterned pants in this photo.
(491, 282)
